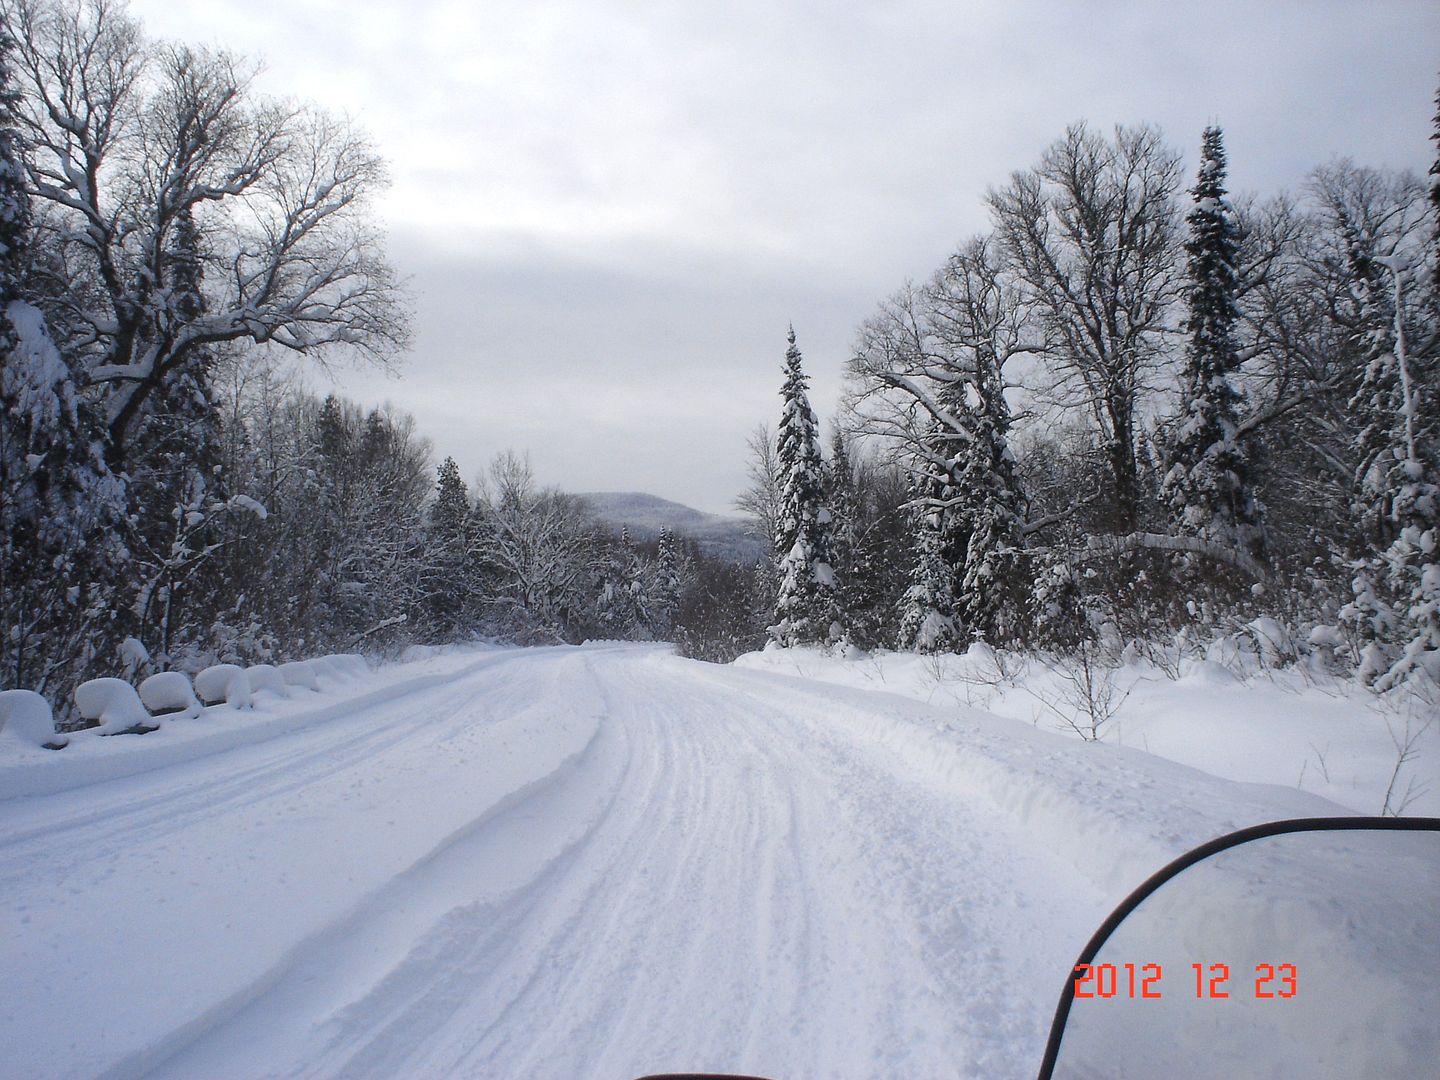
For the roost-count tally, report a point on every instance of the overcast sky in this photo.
(610, 211)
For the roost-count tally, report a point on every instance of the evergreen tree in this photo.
(1057, 614)
(805, 608)
(927, 609)
(931, 365)
(1435, 206)
(177, 498)
(878, 574)
(1396, 604)
(625, 596)
(843, 501)
(994, 588)
(59, 505)
(940, 535)
(1209, 483)
(452, 512)
(672, 572)
(969, 509)
(612, 607)
(452, 568)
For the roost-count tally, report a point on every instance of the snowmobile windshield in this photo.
(1305, 954)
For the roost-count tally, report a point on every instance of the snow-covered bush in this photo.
(168, 692)
(1274, 644)
(266, 678)
(299, 673)
(25, 719)
(1329, 649)
(113, 705)
(224, 682)
(1258, 645)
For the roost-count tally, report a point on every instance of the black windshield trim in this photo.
(1189, 859)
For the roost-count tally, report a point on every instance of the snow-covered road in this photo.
(593, 862)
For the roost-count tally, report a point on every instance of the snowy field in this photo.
(605, 861)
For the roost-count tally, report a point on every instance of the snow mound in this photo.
(169, 692)
(113, 704)
(224, 682)
(25, 720)
(299, 673)
(1209, 671)
(266, 678)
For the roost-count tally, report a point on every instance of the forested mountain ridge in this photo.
(646, 515)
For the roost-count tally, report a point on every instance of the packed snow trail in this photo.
(594, 862)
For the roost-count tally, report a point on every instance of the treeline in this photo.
(1135, 413)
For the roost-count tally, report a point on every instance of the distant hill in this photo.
(645, 515)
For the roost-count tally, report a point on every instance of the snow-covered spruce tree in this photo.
(613, 616)
(805, 607)
(843, 500)
(927, 608)
(966, 580)
(451, 565)
(1209, 483)
(673, 570)
(625, 587)
(365, 536)
(1057, 614)
(1435, 205)
(176, 490)
(1396, 605)
(879, 572)
(60, 507)
(994, 589)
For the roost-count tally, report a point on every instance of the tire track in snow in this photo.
(984, 968)
(368, 948)
(746, 900)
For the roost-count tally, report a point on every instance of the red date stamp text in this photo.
(1211, 981)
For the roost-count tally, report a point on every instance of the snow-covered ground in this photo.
(596, 862)
(1243, 720)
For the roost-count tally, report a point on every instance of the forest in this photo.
(1138, 413)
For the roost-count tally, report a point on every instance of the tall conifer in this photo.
(1209, 484)
(59, 505)
(994, 582)
(1396, 605)
(805, 609)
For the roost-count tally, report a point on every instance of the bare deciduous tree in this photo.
(127, 139)
(1093, 231)
(761, 500)
(541, 543)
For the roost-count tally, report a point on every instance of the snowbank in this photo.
(88, 761)
(299, 673)
(169, 692)
(226, 683)
(113, 705)
(1289, 726)
(266, 678)
(26, 722)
